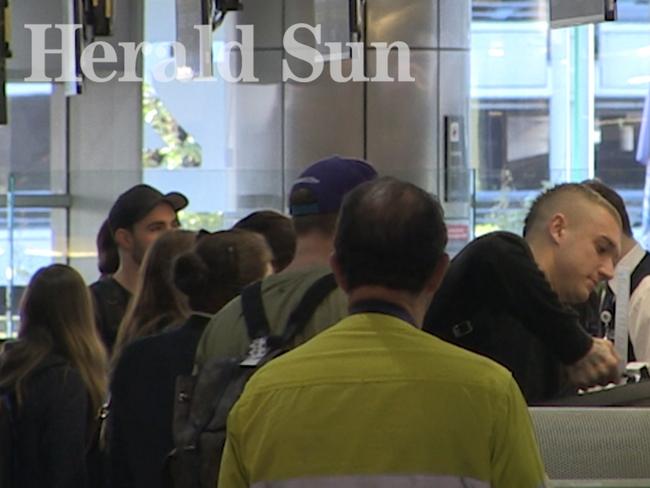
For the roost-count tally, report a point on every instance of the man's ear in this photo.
(438, 274)
(557, 226)
(338, 273)
(123, 239)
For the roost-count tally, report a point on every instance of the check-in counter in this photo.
(594, 446)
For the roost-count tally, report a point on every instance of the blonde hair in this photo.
(565, 197)
(56, 317)
(156, 303)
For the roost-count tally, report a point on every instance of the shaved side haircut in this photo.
(571, 199)
(615, 199)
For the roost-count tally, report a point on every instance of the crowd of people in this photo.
(414, 371)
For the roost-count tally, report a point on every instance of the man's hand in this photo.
(598, 367)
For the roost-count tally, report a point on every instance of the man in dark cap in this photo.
(136, 219)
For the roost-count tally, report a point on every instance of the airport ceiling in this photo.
(514, 10)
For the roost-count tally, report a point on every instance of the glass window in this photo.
(32, 166)
(554, 105)
(515, 142)
(30, 238)
(190, 130)
(31, 145)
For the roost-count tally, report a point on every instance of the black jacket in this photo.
(52, 430)
(142, 401)
(110, 300)
(495, 301)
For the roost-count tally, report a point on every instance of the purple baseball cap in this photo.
(328, 181)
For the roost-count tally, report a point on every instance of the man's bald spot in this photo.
(576, 202)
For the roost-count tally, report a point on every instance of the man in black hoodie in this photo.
(136, 219)
(506, 297)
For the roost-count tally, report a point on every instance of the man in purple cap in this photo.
(314, 204)
(135, 220)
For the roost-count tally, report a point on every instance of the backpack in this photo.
(7, 441)
(202, 402)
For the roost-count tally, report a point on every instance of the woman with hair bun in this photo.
(219, 266)
(53, 382)
(210, 275)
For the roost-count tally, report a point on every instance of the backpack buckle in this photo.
(256, 351)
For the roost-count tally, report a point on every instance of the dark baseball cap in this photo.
(328, 181)
(134, 204)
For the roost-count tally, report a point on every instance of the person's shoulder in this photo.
(499, 240)
(495, 248)
(286, 289)
(142, 351)
(428, 357)
(289, 294)
(54, 363)
(286, 367)
(465, 367)
(224, 334)
(168, 339)
(55, 373)
(228, 314)
(108, 286)
(103, 283)
(278, 290)
(97, 289)
(275, 374)
(287, 280)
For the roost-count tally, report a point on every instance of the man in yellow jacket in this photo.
(373, 400)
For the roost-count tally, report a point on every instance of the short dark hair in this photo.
(278, 231)
(390, 233)
(614, 199)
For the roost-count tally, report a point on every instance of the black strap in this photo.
(640, 272)
(257, 324)
(230, 366)
(313, 297)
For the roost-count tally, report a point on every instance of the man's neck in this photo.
(127, 275)
(415, 305)
(311, 250)
(542, 258)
